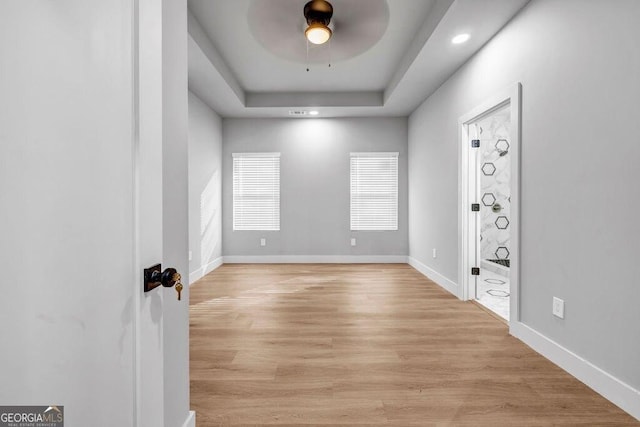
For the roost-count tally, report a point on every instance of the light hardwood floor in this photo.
(374, 344)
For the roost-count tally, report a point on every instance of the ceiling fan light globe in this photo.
(317, 33)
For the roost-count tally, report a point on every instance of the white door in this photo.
(84, 206)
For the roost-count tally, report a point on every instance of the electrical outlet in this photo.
(190, 255)
(558, 307)
(435, 253)
(263, 241)
(353, 241)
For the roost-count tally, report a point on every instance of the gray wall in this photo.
(578, 63)
(314, 184)
(205, 192)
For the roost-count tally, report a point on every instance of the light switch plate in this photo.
(353, 241)
(263, 242)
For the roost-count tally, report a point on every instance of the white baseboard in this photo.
(316, 259)
(438, 278)
(191, 420)
(611, 388)
(204, 270)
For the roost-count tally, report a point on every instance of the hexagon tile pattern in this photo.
(502, 145)
(502, 222)
(488, 199)
(502, 253)
(488, 169)
(495, 174)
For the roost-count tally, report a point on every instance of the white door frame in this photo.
(510, 96)
(160, 133)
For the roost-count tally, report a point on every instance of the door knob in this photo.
(154, 277)
(169, 277)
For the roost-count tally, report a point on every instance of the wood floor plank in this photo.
(376, 345)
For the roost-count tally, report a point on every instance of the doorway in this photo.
(490, 190)
(489, 172)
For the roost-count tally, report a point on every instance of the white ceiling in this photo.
(248, 58)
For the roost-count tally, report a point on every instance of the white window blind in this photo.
(374, 191)
(256, 191)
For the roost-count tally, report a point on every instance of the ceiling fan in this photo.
(355, 27)
(318, 14)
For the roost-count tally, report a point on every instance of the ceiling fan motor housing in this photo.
(318, 11)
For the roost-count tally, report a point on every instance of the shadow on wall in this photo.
(210, 219)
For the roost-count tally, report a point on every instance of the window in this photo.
(374, 191)
(256, 191)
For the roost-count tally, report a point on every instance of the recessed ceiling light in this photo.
(314, 113)
(460, 38)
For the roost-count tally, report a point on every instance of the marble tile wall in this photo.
(495, 177)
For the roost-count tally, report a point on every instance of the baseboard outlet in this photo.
(204, 270)
(316, 259)
(611, 388)
(439, 279)
(191, 420)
